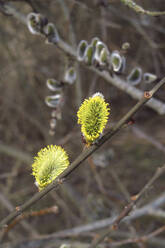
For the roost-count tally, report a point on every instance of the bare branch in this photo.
(149, 209)
(129, 207)
(142, 239)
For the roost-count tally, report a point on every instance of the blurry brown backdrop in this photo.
(26, 62)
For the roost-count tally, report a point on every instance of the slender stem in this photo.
(138, 9)
(142, 239)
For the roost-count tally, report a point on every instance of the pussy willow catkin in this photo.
(49, 163)
(93, 116)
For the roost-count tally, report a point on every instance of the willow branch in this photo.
(82, 157)
(135, 93)
(138, 9)
(42, 212)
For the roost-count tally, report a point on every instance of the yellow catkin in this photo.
(93, 116)
(49, 163)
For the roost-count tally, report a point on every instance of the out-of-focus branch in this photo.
(42, 212)
(158, 213)
(149, 209)
(31, 3)
(9, 9)
(135, 93)
(51, 243)
(8, 205)
(149, 138)
(142, 239)
(13, 152)
(89, 229)
(72, 36)
(129, 207)
(138, 9)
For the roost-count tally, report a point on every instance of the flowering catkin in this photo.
(93, 116)
(49, 163)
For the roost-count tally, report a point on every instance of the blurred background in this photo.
(101, 186)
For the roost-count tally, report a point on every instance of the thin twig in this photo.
(41, 212)
(8, 205)
(87, 231)
(149, 138)
(97, 225)
(96, 176)
(129, 207)
(144, 238)
(138, 9)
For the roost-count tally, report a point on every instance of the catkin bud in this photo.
(135, 76)
(54, 85)
(94, 42)
(81, 50)
(70, 75)
(89, 55)
(53, 101)
(51, 33)
(36, 23)
(104, 56)
(99, 46)
(118, 62)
